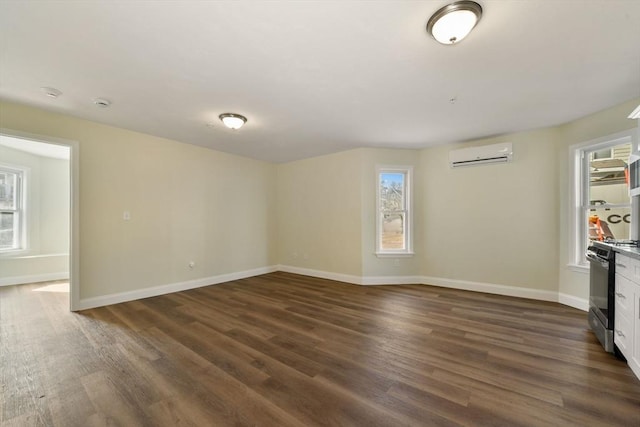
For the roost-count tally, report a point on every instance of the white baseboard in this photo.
(100, 301)
(338, 277)
(348, 278)
(575, 302)
(392, 280)
(35, 278)
(490, 288)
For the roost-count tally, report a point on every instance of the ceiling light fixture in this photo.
(452, 23)
(233, 121)
(51, 92)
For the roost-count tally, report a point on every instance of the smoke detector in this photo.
(101, 102)
(51, 92)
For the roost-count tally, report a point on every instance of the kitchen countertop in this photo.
(627, 250)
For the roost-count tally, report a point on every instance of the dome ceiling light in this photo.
(452, 23)
(233, 121)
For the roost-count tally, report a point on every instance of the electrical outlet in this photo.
(396, 263)
(192, 264)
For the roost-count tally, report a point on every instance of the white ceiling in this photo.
(315, 77)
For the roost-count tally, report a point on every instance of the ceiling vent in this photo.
(495, 153)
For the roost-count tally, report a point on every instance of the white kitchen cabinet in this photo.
(626, 333)
(634, 363)
(623, 325)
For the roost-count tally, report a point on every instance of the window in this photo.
(393, 230)
(601, 193)
(602, 154)
(11, 209)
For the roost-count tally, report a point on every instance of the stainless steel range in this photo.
(601, 256)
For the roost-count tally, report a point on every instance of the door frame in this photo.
(74, 208)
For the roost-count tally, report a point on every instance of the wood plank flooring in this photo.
(288, 350)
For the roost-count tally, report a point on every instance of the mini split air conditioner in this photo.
(495, 153)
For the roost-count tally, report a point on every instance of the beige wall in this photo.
(47, 202)
(502, 224)
(319, 213)
(496, 223)
(54, 208)
(327, 213)
(186, 203)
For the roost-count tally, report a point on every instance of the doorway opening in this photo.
(39, 212)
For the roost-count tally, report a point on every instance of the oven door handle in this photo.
(594, 258)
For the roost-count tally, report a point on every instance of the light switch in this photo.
(126, 215)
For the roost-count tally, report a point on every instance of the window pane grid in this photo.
(604, 205)
(10, 209)
(8, 230)
(393, 211)
(393, 236)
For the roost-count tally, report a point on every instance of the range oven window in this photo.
(599, 290)
(601, 314)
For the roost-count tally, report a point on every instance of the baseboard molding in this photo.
(338, 277)
(100, 301)
(575, 302)
(348, 278)
(35, 278)
(466, 285)
(490, 288)
(392, 280)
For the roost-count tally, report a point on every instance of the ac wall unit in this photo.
(495, 153)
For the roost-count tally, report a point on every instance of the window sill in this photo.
(394, 254)
(13, 253)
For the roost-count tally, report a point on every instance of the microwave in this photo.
(634, 174)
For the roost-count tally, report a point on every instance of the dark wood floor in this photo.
(282, 349)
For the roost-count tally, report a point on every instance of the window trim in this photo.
(578, 191)
(408, 196)
(21, 209)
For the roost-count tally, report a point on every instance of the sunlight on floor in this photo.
(55, 287)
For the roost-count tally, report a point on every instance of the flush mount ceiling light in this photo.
(454, 22)
(233, 121)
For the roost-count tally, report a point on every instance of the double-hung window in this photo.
(11, 209)
(601, 192)
(394, 216)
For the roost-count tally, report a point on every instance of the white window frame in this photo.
(20, 212)
(408, 212)
(579, 191)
